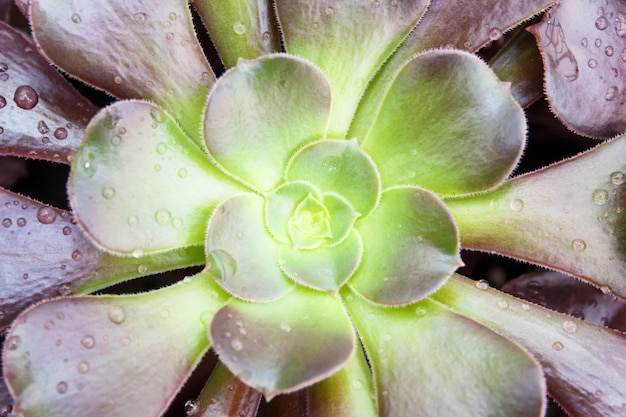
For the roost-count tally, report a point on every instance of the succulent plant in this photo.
(327, 181)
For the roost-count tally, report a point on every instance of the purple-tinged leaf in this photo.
(129, 49)
(583, 44)
(410, 248)
(569, 217)
(41, 115)
(571, 296)
(585, 364)
(261, 112)
(224, 395)
(23, 6)
(519, 63)
(240, 28)
(241, 255)
(284, 345)
(465, 24)
(446, 124)
(349, 41)
(429, 361)
(348, 393)
(45, 254)
(109, 356)
(138, 184)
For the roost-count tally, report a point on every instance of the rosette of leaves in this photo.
(328, 188)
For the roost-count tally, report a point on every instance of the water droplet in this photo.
(570, 327)
(42, 127)
(3, 102)
(60, 133)
(611, 93)
(161, 148)
(46, 215)
(517, 204)
(4, 67)
(239, 28)
(108, 193)
(557, 346)
(117, 79)
(163, 217)
(13, 342)
(7, 222)
(191, 408)
(77, 255)
(88, 341)
(608, 50)
(142, 269)
(132, 220)
(221, 264)
(177, 222)
(597, 395)
(65, 288)
(83, 367)
(482, 284)
(606, 290)
(495, 33)
(125, 341)
(266, 37)
(584, 42)
(600, 196)
(525, 307)
(617, 178)
(285, 327)
(49, 325)
(598, 42)
(182, 173)
(137, 253)
(140, 17)
(61, 387)
(25, 97)
(602, 23)
(592, 63)
(503, 304)
(76, 18)
(236, 344)
(357, 384)
(67, 230)
(579, 245)
(329, 11)
(117, 314)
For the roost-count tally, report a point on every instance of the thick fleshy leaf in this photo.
(410, 247)
(45, 254)
(348, 393)
(81, 356)
(583, 45)
(261, 112)
(23, 6)
(139, 184)
(349, 41)
(240, 28)
(465, 24)
(430, 361)
(519, 63)
(569, 217)
(447, 124)
(284, 345)
(571, 296)
(242, 256)
(585, 364)
(41, 115)
(338, 166)
(224, 395)
(325, 268)
(129, 49)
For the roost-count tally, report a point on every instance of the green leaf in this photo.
(240, 28)
(41, 115)
(138, 184)
(348, 393)
(130, 50)
(224, 395)
(261, 112)
(519, 63)
(430, 361)
(338, 166)
(276, 352)
(583, 45)
(241, 255)
(410, 248)
(45, 254)
(584, 363)
(79, 356)
(464, 24)
(326, 268)
(569, 217)
(447, 124)
(349, 41)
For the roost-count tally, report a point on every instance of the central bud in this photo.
(311, 219)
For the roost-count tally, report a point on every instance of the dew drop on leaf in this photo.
(76, 18)
(65, 289)
(3, 102)
(285, 327)
(77, 255)
(117, 314)
(617, 178)
(88, 341)
(60, 133)
(108, 193)
(25, 97)
(239, 28)
(579, 245)
(14, 342)
(482, 284)
(67, 230)
(62, 387)
(163, 216)
(83, 367)
(602, 23)
(46, 215)
(600, 196)
(557, 346)
(7, 222)
(42, 127)
(570, 327)
(495, 34)
(236, 344)
(140, 17)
